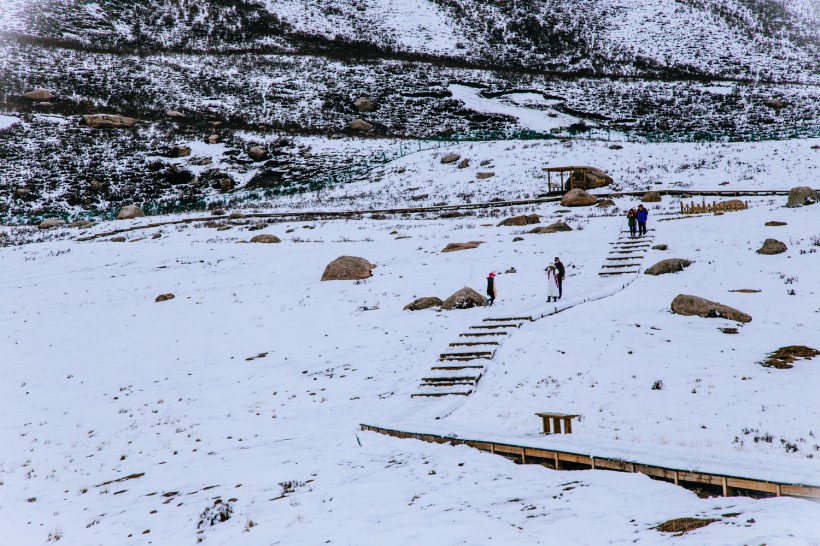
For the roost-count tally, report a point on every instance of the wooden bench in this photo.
(556, 422)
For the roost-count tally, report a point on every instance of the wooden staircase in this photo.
(626, 254)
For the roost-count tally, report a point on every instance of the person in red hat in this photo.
(491, 288)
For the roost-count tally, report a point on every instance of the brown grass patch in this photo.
(129, 477)
(784, 357)
(746, 290)
(683, 525)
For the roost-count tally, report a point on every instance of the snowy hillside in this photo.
(133, 421)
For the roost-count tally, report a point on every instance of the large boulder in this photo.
(360, 125)
(552, 228)
(452, 247)
(693, 305)
(257, 153)
(802, 195)
(423, 303)
(651, 197)
(49, 223)
(450, 158)
(464, 299)
(577, 197)
(348, 268)
(670, 265)
(104, 121)
(523, 220)
(363, 104)
(39, 95)
(266, 238)
(772, 246)
(129, 212)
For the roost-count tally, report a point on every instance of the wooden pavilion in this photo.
(576, 177)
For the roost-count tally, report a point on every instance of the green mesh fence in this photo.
(359, 170)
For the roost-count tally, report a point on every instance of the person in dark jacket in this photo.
(490, 289)
(559, 276)
(632, 221)
(641, 215)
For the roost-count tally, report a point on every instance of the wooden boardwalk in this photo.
(722, 484)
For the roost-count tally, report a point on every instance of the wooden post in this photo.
(727, 491)
(557, 462)
(675, 477)
(556, 424)
(567, 425)
(546, 421)
(549, 182)
(523, 456)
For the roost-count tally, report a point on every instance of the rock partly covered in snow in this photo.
(106, 121)
(49, 223)
(266, 238)
(802, 195)
(577, 197)
(179, 151)
(452, 247)
(772, 246)
(687, 305)
(39, 95)
(363, 104)
(257, 153)
(651, 197)
(523, 220)
(464, 299)
(423, 303)
(450, 158)
(348, 268)
(164, 297)
(552, 228)
(130, 211)
(670, 265)
(360, 125)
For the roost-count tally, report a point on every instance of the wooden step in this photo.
(510, 319)
(464, 358)
(622, 258)
(607, 273)
(472, 343)
(474, 353)
(437, 394)
(451, 378)
(483, 334)
(621, 265)
(494, 326)
(449, 384)
(454, 368)
(627, 251)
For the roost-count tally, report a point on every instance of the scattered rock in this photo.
(663, 125)
(129, 212)
(348, 268)
(616, 147)
(485, 162)
(772, 246)
(164, 297)
(174, 114)
(213, 139)
(522, 220)
(452, 214)
(226, 185)
(156, 236)
(419, 197)
(784, 357)
(464, 299)
(96, 186)
(775, 223)
(562, 211)
(605, 203)
(660, 247)
(728, 330)
(117, 239)
(670, 265)
(49, 223)
(464, 163)
(746, 291)
(105, 121)
(82, 224)
(693, 305)
(775, 104)
(360, 125)
(733, 204)
(423, 303)
(484, 175)
(651, 197)
(266, 178)
(39, 95)
(516, 239)
(577, 197)
(510, 270)
(257, 153)
(452, 247)
(363, 104)
(266, 238)
(684, 525)
(450, 158)
(21, 192)
(552, 228)
(179, 151)
(802, 195)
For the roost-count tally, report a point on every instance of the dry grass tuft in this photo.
(783, 358)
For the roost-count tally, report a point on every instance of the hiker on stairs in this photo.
(552, 283)
(559, 276)
(641, 215)
(491, 289)
(632, 222)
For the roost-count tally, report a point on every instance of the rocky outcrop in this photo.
(348, 268)
(39, 95)
(523, 220)
(266, 238)
(651, 197)
(108, 121)
(423, 303)
(49, 223)
(129, 212)
(464, 299)
(360, 125)
(772, 246)
(552, 228)
(695, 306)
(453, 247)
(577, 197)
(450, 158)
(670, 265)
(802, 195)
(363, 104)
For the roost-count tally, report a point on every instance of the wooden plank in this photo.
(574, 458)
(800, 491)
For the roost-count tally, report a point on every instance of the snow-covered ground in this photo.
(100, 383)
(7, 121)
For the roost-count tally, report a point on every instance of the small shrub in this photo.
(218, 513)
(657, 385)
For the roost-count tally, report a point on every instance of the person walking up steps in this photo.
(641, 215)
(491, 289)
(632, 222)
(552, 284)
(559, 276)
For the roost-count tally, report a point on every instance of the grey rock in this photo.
(687, 305)
(670, 265)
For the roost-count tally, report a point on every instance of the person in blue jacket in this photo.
(641, 215)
